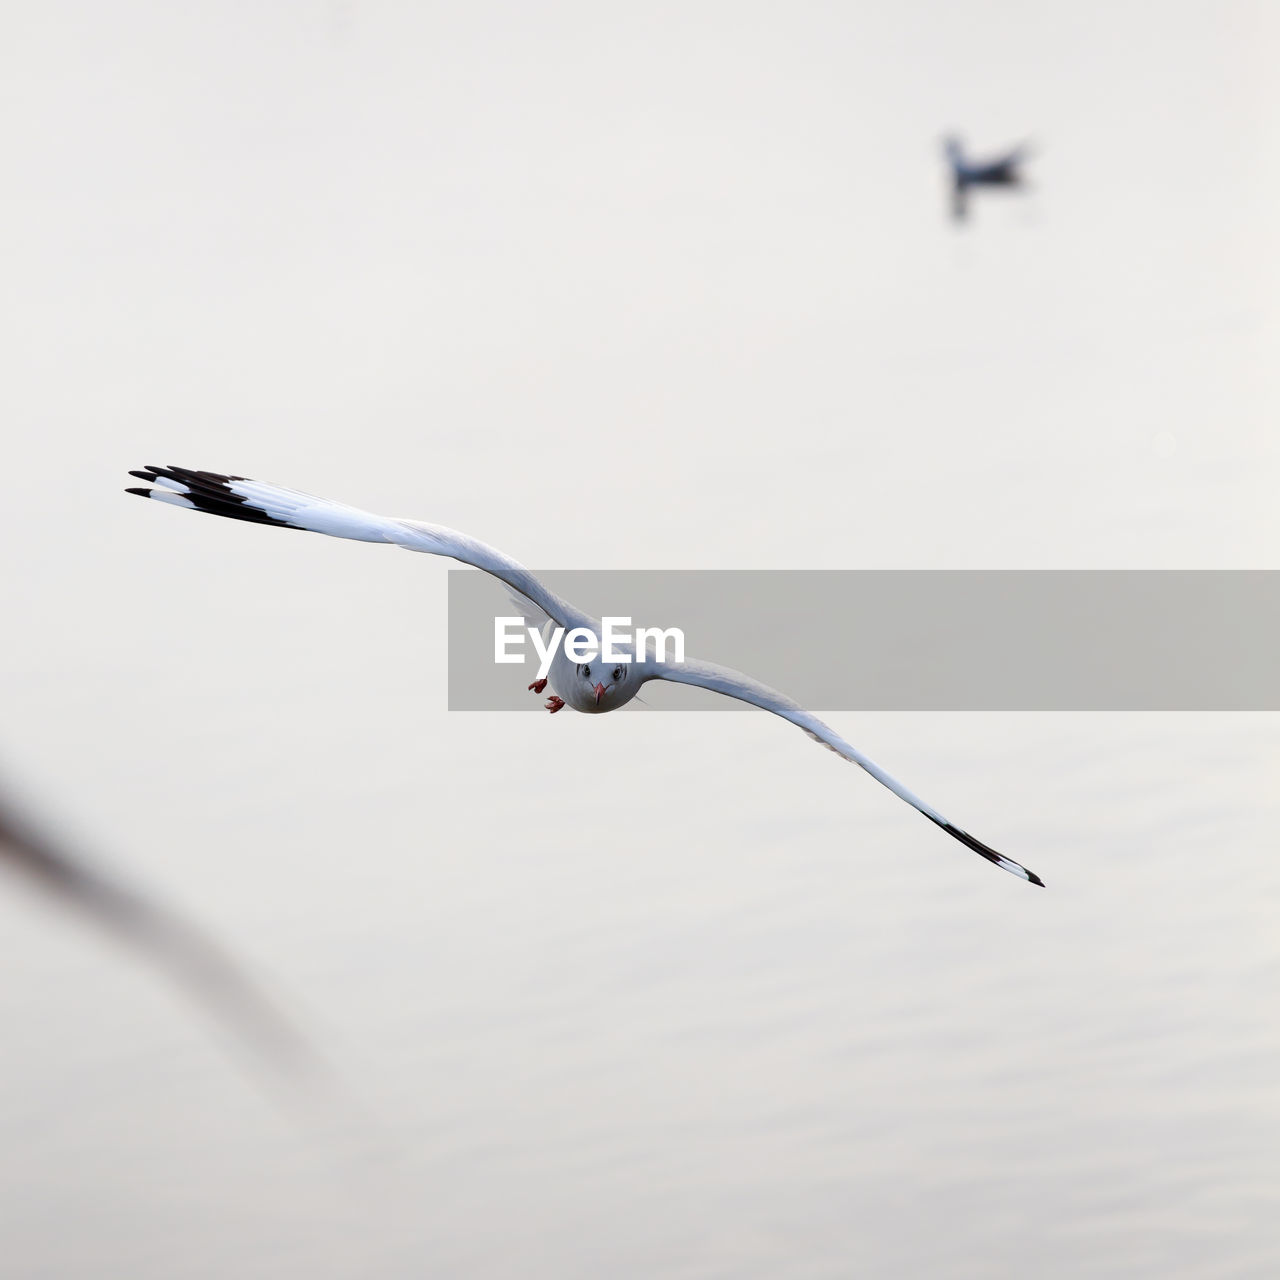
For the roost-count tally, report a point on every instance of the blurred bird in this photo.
(1001, 172)
(188, 957)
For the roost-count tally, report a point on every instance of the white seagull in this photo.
(592, 687)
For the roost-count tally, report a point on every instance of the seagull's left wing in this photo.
(733, 684)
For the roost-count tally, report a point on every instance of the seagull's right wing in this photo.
(240, 499)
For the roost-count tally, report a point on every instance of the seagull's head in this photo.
(954, 151)
(601, 685)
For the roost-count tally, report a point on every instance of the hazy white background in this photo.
(643, 285)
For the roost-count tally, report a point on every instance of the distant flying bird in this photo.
(591, 687)
(156, 934)
(1003, 171)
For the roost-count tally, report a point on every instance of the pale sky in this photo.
(654, 286)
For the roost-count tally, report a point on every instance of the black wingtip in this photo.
(991, 855)
(207, 491)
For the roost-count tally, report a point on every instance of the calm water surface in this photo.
(654, 994)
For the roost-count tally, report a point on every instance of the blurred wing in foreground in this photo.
(192, 960)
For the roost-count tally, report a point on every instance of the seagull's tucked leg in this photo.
(538, 685)
(554, 704)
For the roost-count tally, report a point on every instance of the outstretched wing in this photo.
(241, 499)
(708, 675)
(193, 960)
(1004, 169)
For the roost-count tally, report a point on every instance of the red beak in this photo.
(600, 692)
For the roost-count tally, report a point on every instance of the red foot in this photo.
(538, 685)
(554, 704)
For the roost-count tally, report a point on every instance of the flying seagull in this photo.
(196, 963)
(1003, 171)
(591, 687)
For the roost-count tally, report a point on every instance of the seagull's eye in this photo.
(586, 673)
(617, 674)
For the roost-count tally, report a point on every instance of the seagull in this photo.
(157, 934)
(1000, 172)
(591, 687)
